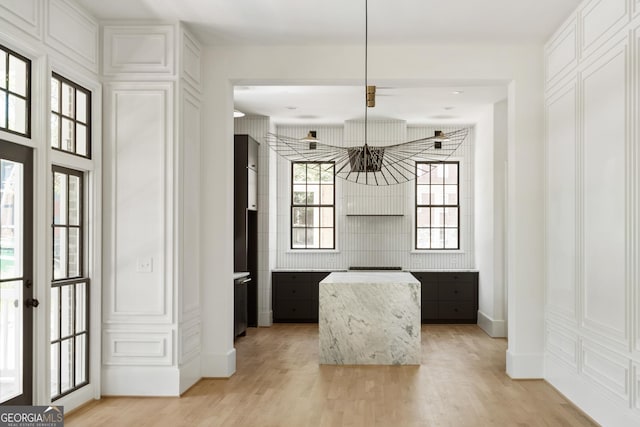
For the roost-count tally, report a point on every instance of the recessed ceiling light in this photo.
(457, 92)
(291, 107)
(449, 108)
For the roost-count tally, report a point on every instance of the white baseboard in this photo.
(140, 381)
(190, 373)
(585, 395)
(523, 366)
(218, 365)
(493, 328)
(265, 318)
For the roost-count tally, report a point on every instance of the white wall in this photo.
(59, 36)
(367, 240)
(520, 67)
(490, 176)
(592, 327)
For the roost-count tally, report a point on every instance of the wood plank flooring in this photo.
(461, 382)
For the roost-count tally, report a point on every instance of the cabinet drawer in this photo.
(295, 309)
(429, 310)
(295, 290)
(456, 291)
(457, 277)
(456, 310)
(429, 291)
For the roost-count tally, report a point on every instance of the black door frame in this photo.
(24, 155)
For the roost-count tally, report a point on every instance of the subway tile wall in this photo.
(375, 240)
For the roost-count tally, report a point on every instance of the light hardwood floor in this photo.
(461, 382)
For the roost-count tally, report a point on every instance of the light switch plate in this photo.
(144, 265)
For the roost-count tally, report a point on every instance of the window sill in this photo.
(312, 251)
(437, 251)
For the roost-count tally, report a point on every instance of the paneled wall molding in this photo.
(607, 369)
(562, 206)
(133, 347)
(563, 344)
(190, 333)
(190, 63)
(600, 20)
(600, 112)
(562, 54)
(145, 52)
(72, 32)
(25, 16)
(606, 179)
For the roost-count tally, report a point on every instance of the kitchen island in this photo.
(369, 318)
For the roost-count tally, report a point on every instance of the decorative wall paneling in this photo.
(153, 160)
(562, 53)
(141, 347)
(72, 32)
(592, 257)
(144, 51)
(601, 20)
(606, 118)
(23, 15)
(561, 208)
(140, 191)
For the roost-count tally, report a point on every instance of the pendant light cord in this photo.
(366, 80)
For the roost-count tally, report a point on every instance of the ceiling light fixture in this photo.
(365, 164)
(237, 114)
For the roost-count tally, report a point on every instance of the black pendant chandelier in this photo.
(366, 164)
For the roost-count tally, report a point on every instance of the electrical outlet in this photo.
(144, 265)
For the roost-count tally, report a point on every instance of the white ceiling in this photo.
(304, 22)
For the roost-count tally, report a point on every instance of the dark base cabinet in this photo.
(240, 306)
(295, 296)
(449, 297)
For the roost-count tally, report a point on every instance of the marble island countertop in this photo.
(417, 270)
(371, 277)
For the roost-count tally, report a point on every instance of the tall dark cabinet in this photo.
(245, 220)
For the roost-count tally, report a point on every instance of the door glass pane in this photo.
(81, 111)
(17, 114)
(68, 108)
(11, 218)
(17, 75)
(55, 311)
(74, 200)
(59, 198)
(55, 89)
(11, 339)
(55, 355)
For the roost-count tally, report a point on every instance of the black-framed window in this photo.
(437, 205)
(15, 92)
(312, 205)
(70, 117)
(69, 286)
